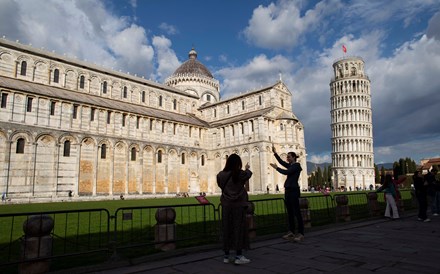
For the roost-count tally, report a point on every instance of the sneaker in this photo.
(435, 214)
(226, 259)
(289, 236)
(426, 220)
(420, 219)
(299, 238)
(241, 260)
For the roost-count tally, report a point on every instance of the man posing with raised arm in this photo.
(292, 194)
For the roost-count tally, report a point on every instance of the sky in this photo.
(247, 45)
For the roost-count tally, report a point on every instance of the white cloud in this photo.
(281, 25)
(166, 58)
(405, 91)
(168, 29)
(82, 29)
(258, 72)
(133, 3)
(319, 159)
(130, 48)
(434, 27)
(378, 12)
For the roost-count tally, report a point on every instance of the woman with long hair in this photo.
(234, 201)
(389, 189)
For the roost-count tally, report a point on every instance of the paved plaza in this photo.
(377, 246)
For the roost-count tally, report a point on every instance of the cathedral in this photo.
(72, 128)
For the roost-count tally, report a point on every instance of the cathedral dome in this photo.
(192, 66)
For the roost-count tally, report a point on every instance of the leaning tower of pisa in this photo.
(351, 124)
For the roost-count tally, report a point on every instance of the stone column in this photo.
(250, 221)
(36, 243)
(342, 209)
(373, 205)
(305, 212)
(165, 229)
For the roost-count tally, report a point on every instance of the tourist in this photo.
(433, 191)
(234, 202)
(292, 194)
(421, 193)
(389, 188)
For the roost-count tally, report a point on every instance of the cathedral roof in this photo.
(242, 117)
(74, 97)
(192, 66)
(287, 116)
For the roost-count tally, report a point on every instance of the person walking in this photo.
(421, 193)
(389, 189)
(292, 194)
(234, 202)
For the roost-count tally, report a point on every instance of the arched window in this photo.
(174, 104)
(281, 127)
(242, 105)
(227, 109)
(215, 112)
(124, 117)
(75, 111)
(160, 100)
(282, 103)
(66, 152)
(208, 97)
(103, 151)
(124, 94)
(104, 87)
(133, 154)
(56, 75)
(159, 156)
(143, 96)
(23, 68)
(202, 160)
(92, 114)
(260, 100)
(183, 158)
(52, 108)
(4, 100)
(82, 80)
(29, 104)
(20, 146)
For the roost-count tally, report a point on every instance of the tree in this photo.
(376, 174)
(382, 174)
(319, 177)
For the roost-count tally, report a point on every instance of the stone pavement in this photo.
(377, 246)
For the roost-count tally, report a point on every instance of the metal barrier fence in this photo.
(89, 236)
(26, 238)
(163, 228)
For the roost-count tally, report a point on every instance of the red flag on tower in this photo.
(344, 49)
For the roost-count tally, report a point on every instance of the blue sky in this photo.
(246, 44)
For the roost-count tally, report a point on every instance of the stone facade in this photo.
(71, 126)
(351, 124)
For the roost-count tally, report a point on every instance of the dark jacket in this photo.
(419, 185)
(234, 194)
(430, 179)
(293, 171)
